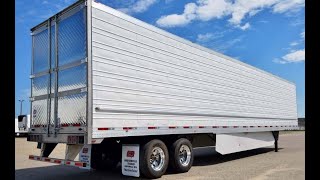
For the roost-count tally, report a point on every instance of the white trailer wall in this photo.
(145, 77)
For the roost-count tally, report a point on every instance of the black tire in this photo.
(175, 163)
(145, 155)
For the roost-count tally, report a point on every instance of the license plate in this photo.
(73, 139)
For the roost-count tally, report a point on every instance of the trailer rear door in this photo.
(59, 73)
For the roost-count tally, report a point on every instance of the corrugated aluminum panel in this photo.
(137, 67)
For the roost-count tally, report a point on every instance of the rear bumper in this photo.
(60, 161)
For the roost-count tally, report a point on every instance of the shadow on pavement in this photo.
(203, 157)
(208, 156)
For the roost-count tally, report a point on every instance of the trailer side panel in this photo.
(147, 81)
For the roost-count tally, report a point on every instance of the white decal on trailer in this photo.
(85, 156)
(130, 160)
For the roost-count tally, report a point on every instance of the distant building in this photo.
(302, 123)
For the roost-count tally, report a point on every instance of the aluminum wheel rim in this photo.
(184, 155)
(157, 159)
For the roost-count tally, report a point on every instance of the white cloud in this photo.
(242, 7)
(303, 34)
(244, 27)
(279, 61)
(223, 45)
(292, 57)
(295, 56)
(178, 20)
(294, 43)
(138, 7)
(203, 38)
(288, 5)
(205, 10)
(210, 9)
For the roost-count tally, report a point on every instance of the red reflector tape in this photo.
(77, 124)
(215, 126)
(64, 125)
(244, 126)
(224, 126)
(78, 164)
(152, 128)
(127, 128)
(31, 157)
(265, 126)
(235, 126)
(47, 159)
(102, 129)
(68, 162)
(172, 127)
(251, 126)
(201, 126)
(186, 127)
(57, 161)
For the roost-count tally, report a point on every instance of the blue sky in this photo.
(268, 34)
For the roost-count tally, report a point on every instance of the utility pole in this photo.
(21, 106)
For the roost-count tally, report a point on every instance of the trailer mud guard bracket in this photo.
(276, 138)
(236, 142)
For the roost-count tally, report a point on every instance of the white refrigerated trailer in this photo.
(22, 125)
(114, 88)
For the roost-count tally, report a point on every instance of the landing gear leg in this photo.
(276, 137)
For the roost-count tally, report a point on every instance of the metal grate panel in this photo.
(52, 112)
(73, 78)
(72, 109)
(40, 52)
(53, 41)
(72, 38)
(40, 85)
(39, 112)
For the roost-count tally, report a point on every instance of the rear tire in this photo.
(154, 159)
(181, 155)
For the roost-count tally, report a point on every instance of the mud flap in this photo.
(85, 156)
(130, 160)
(236, 142)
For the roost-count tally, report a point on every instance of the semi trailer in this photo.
(117, 90)
(22, 125)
